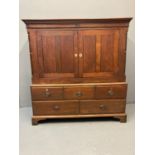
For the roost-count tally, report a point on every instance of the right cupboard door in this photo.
(99, 53)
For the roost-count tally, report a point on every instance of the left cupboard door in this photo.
(57, 54)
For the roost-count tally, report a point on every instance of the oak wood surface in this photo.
(46, 93)
(102, 106)
(78, 65)
(121, 116)
(79, 92)
(73, 91)
(73, 23)
(78, 55)
(55, 107)
(81, 84)
(111, 91)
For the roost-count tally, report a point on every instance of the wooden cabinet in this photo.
(78, 64)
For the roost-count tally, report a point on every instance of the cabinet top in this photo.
(76, 21)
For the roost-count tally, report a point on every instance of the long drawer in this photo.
(102, 106)
(55, 107)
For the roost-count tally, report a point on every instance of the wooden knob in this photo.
(110, 92)
(80, 55)
(47, 93)
(56, 107)
(79, 94)
(102, 107)
(75, 55)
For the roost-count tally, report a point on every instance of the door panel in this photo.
(56, 51)
(99, 50)
(107, 53)
(89, 54)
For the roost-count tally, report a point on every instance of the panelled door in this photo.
(83, 53)
(57, 51)
(98, 53)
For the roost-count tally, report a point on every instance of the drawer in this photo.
(46, 93)
(79, 92)
(117, 91)
(55, 107)
(102, 106)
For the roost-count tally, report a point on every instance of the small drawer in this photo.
(46, 93)
(55, 107)
(102, 106)
(79, 92)
(117, 91)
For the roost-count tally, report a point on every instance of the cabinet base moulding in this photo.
(122, 117)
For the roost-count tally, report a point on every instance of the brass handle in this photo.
(79, 94)
(47, 93)
(102, 107)
(80, 55)
(56, 107)
(110, 92)
(75, 55)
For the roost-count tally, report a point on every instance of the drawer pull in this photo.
(80, 55)
(75, 55)
(110, 92)
(79, 94)
(102, 107)
(56, 107)
(47, 93)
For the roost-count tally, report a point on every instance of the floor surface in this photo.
(77, 137)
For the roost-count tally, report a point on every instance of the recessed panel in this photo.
(56, 53)
(89, 54)
(107, 53)
(49, 55)
(67, 53)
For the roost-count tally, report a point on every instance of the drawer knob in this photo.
(79, 94)
(102, 107)
(56, 107)
(47, 93)
(80, 55)
(75, 55)
(110, 92)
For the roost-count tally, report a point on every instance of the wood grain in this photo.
(55, 107)
(79, 92)
(78, 67)
(102, 106)
(111, 91)
(46, 93)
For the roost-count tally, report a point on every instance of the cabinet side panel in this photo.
(122, 50)
(33, 52)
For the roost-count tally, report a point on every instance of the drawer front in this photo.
(79, 92)
(46, 93)
(102, 106)
(111, 91)
(55, 107)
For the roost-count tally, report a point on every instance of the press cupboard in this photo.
(78, 68)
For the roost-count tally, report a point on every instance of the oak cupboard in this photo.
(78, 67)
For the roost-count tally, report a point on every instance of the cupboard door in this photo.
(98, 53)
(57, 50)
